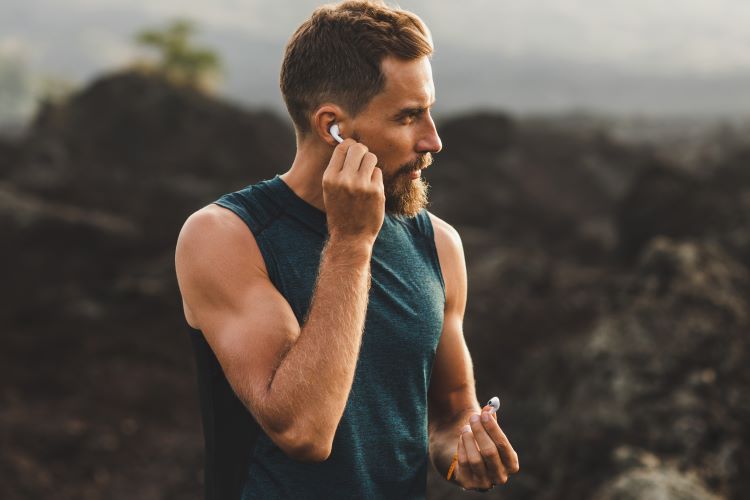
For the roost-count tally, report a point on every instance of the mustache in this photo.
(421, 162)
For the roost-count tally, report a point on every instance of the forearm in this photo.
(311, 385)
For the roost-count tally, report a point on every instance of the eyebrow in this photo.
(413, 110)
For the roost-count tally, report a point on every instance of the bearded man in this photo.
(329, 301)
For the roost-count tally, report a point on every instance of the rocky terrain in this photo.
(609, 288)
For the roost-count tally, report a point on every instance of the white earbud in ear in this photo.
(335, 133)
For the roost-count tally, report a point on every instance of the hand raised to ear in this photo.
(353, 193)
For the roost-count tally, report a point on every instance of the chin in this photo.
(406, 196)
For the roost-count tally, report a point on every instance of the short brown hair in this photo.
(336, 56)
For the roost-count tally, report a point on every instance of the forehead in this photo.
(407, 83)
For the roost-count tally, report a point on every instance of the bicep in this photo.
(245, 319)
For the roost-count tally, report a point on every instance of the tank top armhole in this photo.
(256, 227)
(237, 204)
(425, 228)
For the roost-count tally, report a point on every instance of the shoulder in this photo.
(215, 256)
(212, 226)
(451, 256)
(447, 238)
(212, 215)
(214, 240)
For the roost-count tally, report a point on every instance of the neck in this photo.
(305, 177)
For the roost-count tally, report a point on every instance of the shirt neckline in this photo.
(298, 207)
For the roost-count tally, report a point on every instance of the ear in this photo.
(323, 118)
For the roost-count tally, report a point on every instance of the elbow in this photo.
(302, 436)
(304, 446)
(310, 452)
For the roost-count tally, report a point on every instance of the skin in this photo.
(225, 287)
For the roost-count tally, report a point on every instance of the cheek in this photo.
(394, 150)
(397, 151)
(389, 156)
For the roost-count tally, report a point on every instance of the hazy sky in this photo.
(629, 56)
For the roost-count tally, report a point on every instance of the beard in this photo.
(404, 195)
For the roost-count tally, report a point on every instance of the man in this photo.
(331, 299)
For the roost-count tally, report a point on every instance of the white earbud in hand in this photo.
(495, 404)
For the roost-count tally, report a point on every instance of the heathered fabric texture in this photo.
(381, 445)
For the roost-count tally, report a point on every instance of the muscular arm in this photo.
(485, 457)
(452, 396)
(294, 380)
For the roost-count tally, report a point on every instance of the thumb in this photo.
(488, 408)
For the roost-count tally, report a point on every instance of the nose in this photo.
(430, 142)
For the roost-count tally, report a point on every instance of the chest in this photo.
(406, 299)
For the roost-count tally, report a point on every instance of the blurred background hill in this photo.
(608, 251)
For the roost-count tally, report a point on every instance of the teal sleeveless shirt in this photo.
(380, 449)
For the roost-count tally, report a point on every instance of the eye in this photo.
(410, 118)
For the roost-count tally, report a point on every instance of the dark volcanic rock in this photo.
(9, 152)
(662, 372)
(534, 184)
(654, 483)
(137, 147)
(98, 398)
(673, 202)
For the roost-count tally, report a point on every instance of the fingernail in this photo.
(485, 416)
(474, 419)
(465, 428)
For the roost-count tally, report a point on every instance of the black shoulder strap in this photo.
(229, 429)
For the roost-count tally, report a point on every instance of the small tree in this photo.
(180, 61)
(16, 89)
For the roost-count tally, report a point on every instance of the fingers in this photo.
(465, 474)
(340, 153)
(508, 455)
(347, 156)
(488, 450)
(369, 161)
(485, 456)
(353, 192)
(354, 158)
(474, 459)
(463, 460)
(377, 176)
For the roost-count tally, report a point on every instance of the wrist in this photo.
(443, 447)
(355, 246)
